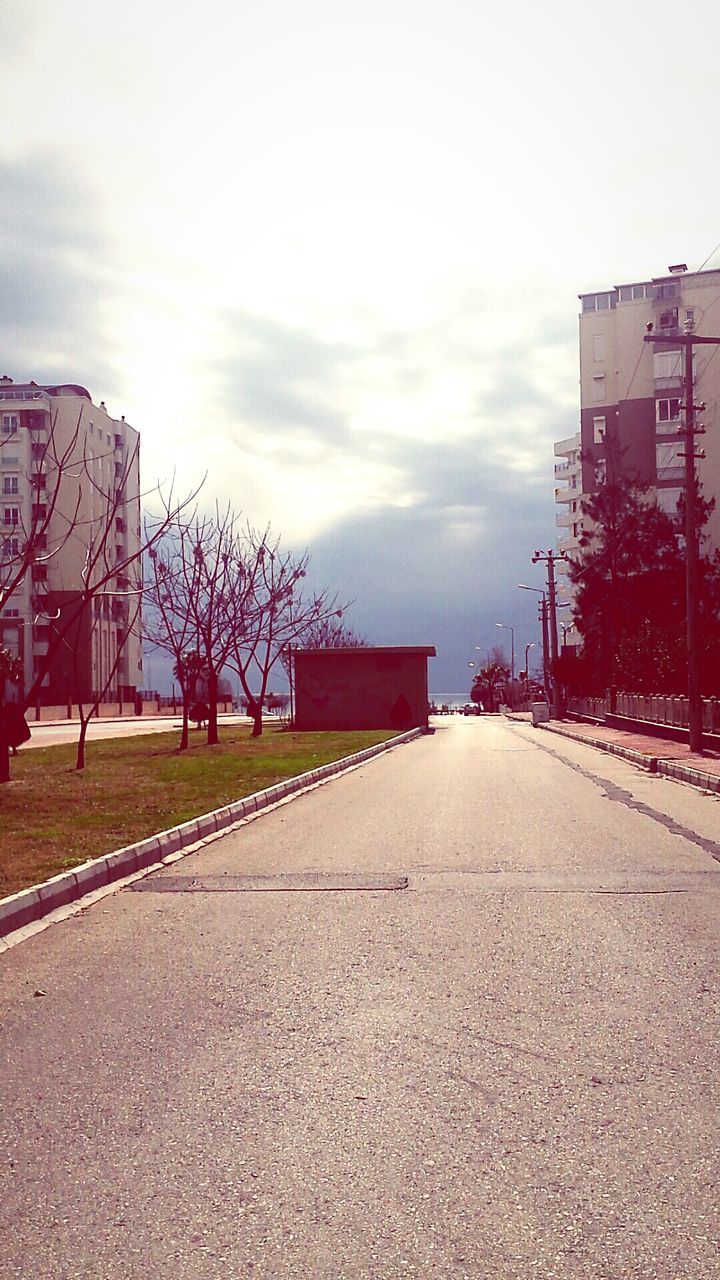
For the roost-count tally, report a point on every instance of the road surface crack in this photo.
(621, 796)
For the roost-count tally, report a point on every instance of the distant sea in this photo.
(450, 699)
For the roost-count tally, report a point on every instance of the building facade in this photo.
(569, 499)
(632, 392)
(361, 687)
(70, 481)
(631, 396)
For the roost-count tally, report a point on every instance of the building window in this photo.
(9, 459)
(670, 465)
(600, 472)
(632, 292)
(12, 516)
(668, 366)
(598, 387)
(11, 613)
(11, 548)
(10, 423)
(599, 301)
(10, 484)
(599, 346)
(668, 410)
(668, 500)
(599, 430)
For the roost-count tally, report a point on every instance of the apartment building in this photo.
(633, 391)
(631, 396)
(64, 507)
(568, 498)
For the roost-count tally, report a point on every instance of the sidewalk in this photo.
(671, 759)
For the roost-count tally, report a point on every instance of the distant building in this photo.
(634, 391)
(105, 454)
(361, 687)
(569, 498)
(631, 395)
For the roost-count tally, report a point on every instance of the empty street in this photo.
(452, 1014)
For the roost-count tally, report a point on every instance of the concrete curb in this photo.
(686, 773)
(30, 905)
(652, 764)
(649, 763)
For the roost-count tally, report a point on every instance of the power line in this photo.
(710, 255)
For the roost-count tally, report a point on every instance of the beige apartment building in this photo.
(70, 504)
(631, 392)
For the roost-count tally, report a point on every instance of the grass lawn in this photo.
(52, 818)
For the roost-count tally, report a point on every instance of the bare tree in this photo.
(88, 702)
(331, 633)
(276, 614)
(106, 575)
(206, 591)
(171, 623)
(107, 572)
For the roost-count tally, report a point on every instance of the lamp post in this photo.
(507, 627)
(528, 647)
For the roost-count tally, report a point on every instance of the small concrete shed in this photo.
(362, 688)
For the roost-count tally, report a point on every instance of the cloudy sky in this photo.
(330, 251)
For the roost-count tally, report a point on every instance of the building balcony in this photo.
(567, 543)
(566, 494)
(118, 441)
(565, 519)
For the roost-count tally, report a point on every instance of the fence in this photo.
(665, 709)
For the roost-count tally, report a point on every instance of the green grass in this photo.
(53, 818)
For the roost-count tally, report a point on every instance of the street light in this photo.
(528, 647)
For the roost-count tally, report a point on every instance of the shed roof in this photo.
(424, 650)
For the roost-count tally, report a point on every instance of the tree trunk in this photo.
(185, 734)
(212, 728)
(4, 758)
(257, 720)
(80, 758)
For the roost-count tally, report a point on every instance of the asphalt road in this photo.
(508, 1069)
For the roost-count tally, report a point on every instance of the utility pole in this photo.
(543, 615)
(549, 558)
(688, 341)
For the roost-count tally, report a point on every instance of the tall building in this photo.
(65, 507)
(631, 394)
(635, 390)
(568, 497)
